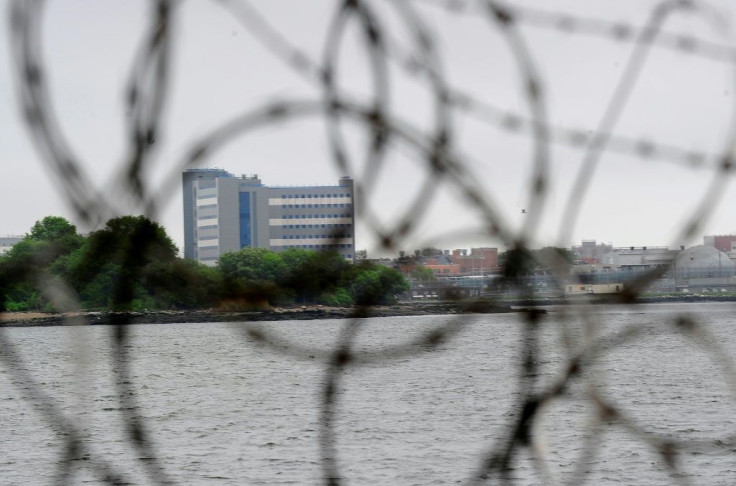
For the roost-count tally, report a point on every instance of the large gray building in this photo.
(224, 212)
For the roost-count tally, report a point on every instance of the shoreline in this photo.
(312, 312)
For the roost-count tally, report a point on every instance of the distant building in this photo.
(224, 212)
(703, 262)
(441, 264)
(724, 243)
(7, 242)
(638, 257)
(590, 252)
(479, 261)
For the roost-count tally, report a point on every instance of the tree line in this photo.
(131, 264)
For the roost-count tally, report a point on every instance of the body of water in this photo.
(221, 410)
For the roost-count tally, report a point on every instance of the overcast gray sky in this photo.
(220, 70)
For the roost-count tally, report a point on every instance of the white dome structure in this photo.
(703, 261)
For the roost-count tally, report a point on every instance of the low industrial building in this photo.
(634, 258)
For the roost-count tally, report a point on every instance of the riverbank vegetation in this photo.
(131, 264)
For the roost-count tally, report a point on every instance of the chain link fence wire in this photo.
(417, 54)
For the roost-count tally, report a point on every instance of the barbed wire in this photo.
(614, 31)
(442, 159)
(502, 119)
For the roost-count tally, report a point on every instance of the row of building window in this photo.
(309, 196)
(308, 216)
(321, 247)
(294, 206)
(315, 226)
(306, 237)
(305, 247)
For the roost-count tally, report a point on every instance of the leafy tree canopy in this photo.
(131, 264)
(252, 264)
(376, 284)
(123, 249)
(52, 228)
(51, 238)
(422, 273)
(311, 274)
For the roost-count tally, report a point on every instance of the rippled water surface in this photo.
(221, 410)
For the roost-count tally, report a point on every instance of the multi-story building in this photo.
(224, 212)
(480, 261)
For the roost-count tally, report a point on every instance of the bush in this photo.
(339, 298)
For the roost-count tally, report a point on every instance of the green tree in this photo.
(250, 276)
(252, 265)
(107, 271)
(52, 228)
(376, 284)
(518, 263)
(314, 276)
(182, 284)
(27, 261)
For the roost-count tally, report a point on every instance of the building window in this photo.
(245, 230)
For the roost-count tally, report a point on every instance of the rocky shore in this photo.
(21, 319)
(35, 319)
